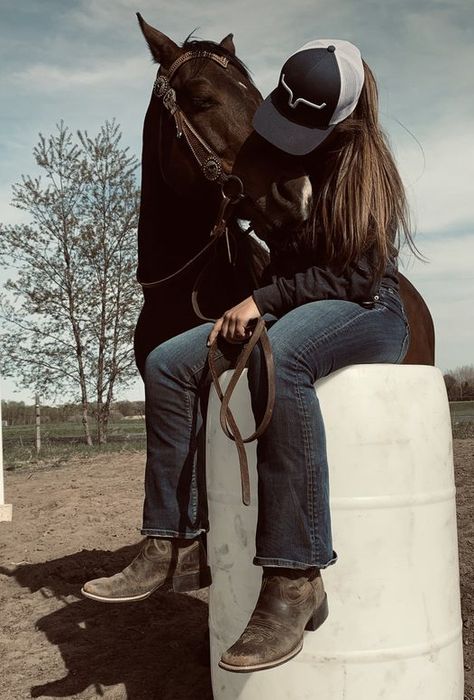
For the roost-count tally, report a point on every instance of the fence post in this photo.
(5, 509)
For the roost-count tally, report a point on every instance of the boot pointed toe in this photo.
(289, 602)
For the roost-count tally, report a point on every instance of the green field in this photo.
(61, 442)
(73, 430)
(462, 409)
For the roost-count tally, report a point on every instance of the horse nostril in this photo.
(293, 194)
(284, 190)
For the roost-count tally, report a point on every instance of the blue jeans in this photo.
(308, 342)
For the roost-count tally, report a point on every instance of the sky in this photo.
(85, 61)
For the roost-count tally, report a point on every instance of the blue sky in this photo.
(85, 61)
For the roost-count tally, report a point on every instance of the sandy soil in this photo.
(78, 521)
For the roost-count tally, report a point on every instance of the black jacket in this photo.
(313, 283)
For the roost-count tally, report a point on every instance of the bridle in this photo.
(232, 191)
(211, 166)
(209, 162)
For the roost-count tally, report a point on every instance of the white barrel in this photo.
(394, 625)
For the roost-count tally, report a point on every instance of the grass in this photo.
(61, 442)
(462, 409)
(53, 455)
(71, 429)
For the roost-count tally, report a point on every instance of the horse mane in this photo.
(190, 44)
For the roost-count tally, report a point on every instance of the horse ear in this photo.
(228, 44)
(163, 49)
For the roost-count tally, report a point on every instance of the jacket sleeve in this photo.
(357, 284)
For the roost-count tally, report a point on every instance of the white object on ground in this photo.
(5, 509)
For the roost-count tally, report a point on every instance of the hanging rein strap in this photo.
(232, 191)
(228, 423)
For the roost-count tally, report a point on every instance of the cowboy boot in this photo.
(162, 564)
(290, 601)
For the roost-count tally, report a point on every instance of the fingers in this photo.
(235, 325)
(231, 328)
(215, 331)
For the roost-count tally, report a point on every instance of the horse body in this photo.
(174, 227)
(421, 349)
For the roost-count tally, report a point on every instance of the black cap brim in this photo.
(292, 138)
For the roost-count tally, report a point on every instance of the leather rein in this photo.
(232, 191)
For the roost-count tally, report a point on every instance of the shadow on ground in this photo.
(157, 648)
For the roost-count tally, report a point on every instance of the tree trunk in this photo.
(102, 423)
(85, 423)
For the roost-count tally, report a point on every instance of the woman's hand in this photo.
(233, 324)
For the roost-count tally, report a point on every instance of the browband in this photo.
(185, 57)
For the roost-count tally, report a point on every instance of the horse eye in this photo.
(202, 103)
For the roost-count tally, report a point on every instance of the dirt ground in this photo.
(77, 522)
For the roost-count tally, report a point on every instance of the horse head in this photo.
(219, 101)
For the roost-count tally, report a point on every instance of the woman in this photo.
(332, 300)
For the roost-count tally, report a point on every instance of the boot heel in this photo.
(318, 616)
(192, 582)
(205, 577)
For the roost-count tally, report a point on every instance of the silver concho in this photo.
(212, 169)
(161, 86)
(169, 100)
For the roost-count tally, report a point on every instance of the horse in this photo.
(197, 124)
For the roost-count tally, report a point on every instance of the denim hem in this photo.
(290, 564)
(155, 532)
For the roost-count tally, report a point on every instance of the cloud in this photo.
(439, 183)
(447, 285)
(44, 78)
(450, 257)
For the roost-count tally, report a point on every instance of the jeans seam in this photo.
(194, 495)
(194, 370)
(308, 458)
(405, 343)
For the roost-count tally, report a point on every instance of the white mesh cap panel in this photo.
(352, 79)
(351, 71)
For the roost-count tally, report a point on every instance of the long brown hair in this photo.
(359, 198)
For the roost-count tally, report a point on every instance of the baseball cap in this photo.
(319, 86)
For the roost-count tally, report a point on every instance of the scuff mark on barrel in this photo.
(240, 530)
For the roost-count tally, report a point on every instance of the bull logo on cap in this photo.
(294, 103)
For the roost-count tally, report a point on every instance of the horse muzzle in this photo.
(287, 204)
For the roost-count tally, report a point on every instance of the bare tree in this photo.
(464, 376)
(452, 387)
(68, 314)
(460, 383)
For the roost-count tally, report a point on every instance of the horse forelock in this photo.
(190, 44)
